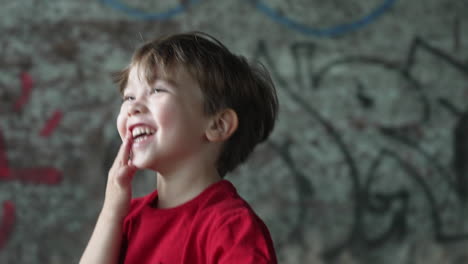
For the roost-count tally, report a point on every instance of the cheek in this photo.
(166, 119)
(166, 113)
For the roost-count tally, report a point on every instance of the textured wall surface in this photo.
(368, 162)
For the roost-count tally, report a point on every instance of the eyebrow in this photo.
(172, 83)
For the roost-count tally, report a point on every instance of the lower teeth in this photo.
(139, 139)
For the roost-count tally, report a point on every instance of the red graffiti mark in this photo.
(5, 171)
(26, 88)
(51, 124)
(37, 175)
(50, 176)
(7, 222)
(4, 167)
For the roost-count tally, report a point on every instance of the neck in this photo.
(179, 187)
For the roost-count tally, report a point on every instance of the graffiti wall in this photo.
(368, 162)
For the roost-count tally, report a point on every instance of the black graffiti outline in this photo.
(361, 192)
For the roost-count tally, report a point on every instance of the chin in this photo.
(143, 164)
(139, 164)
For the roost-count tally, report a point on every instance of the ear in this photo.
(222, 125)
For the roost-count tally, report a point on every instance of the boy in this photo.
(192, 111)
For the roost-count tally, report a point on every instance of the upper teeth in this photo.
(142, 130)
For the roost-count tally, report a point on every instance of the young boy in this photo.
(192, 111)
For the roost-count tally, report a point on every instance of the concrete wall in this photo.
(368, 162)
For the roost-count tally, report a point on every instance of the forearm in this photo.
(106, 240)
(105, 243)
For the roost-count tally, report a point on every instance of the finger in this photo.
(126, 150)
(123, 154)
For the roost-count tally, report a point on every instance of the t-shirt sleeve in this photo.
(241, 237)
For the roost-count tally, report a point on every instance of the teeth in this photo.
(139, 139)
(138, 131)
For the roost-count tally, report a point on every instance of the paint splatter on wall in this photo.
(372, 164)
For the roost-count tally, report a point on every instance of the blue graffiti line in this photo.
(326, 32)
(138, 13)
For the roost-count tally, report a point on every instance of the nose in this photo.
(136, 108)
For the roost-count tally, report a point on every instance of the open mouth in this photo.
(142, 133)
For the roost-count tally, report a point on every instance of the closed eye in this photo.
(127, 98)
(157, 90)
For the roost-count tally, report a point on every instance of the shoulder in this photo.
(234, 231)
(226, 211)
(223, 201)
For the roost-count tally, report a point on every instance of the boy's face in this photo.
(166, 118)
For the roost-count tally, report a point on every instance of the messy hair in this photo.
(226, 81)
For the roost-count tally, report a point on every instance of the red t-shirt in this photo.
(217, 226)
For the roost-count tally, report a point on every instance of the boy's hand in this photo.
(119, 187)
(104, 245)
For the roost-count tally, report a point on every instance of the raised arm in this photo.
(105, 242)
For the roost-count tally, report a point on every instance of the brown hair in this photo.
(226, 81)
